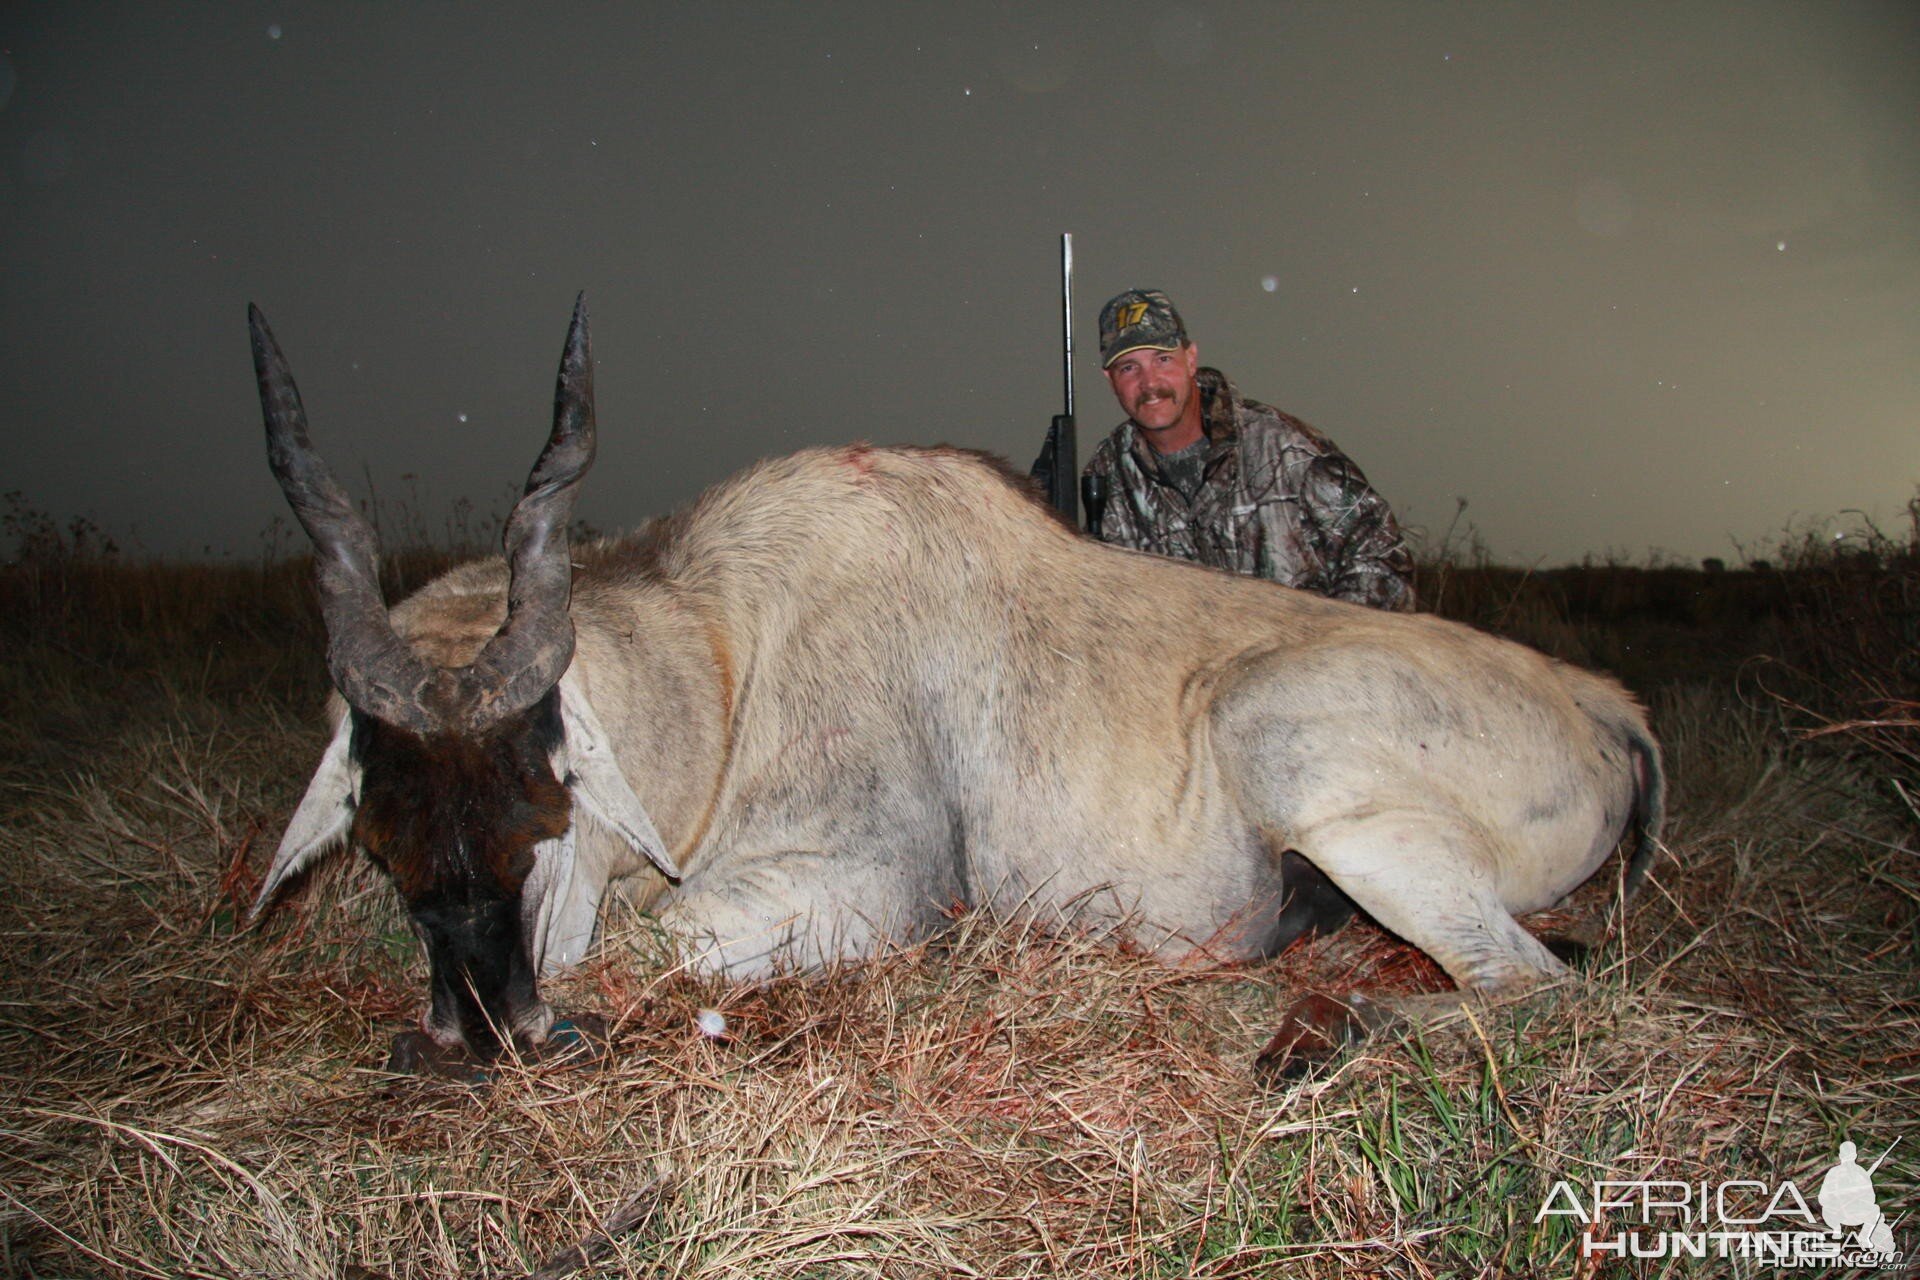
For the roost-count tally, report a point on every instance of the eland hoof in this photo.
(1314, 1031)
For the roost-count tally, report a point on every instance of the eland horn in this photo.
(530, 652)
(375, 670)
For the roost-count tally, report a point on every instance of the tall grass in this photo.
(1849, 658)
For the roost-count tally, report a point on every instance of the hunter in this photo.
(1198, 472)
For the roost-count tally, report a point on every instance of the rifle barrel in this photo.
(1058, 466)
(1066, 312)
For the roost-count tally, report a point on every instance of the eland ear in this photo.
(596, 782)
(319, 824)
(560, 928)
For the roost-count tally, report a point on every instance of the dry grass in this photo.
(180, 1099)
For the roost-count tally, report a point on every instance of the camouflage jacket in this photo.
(1277, 500)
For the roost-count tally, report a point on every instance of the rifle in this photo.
(1058, 467)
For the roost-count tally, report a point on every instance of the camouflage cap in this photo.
(1139, 318)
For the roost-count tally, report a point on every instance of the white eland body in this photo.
(854, 687)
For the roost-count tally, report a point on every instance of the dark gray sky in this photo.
(1624, 276)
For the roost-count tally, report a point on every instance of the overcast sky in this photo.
(1623, 276)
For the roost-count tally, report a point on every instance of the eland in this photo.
(847, 689)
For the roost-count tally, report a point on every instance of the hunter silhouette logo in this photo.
(1847, 1200)
(1737, 1218)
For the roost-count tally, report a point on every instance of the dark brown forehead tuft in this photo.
(457, 816)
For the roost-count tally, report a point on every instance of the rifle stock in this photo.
(1058, 466)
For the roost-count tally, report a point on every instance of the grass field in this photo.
(182, 1097)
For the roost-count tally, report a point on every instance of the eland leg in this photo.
(1425, 879)
(755, 916)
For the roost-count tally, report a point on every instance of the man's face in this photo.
(1157, 388)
